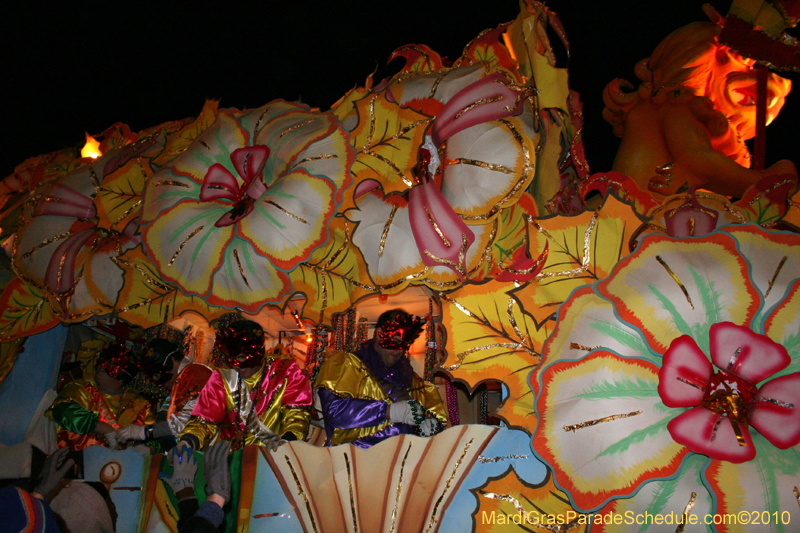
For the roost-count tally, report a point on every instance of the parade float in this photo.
(640, 321)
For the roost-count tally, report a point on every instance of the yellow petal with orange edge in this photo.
(603, 428)
(246, 280)
(586, 322)
(665, 502)
(774, 259)
(187, 246)
(146, 300)
(673, 287)
(782, 326)
(764, 491)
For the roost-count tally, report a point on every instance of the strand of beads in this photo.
(452, 402)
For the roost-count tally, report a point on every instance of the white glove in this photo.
(131, 432)
(184, 467)
(400, 413)
(273, 443)
(428, 427)
(111, 438)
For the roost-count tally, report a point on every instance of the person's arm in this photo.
(218, 483)
(78, 419)
(181, 481)
(55, 468)
(347, 413)
(208, 413)
(295, 404)
(294, 422)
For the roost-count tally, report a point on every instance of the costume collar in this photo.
(400, 374)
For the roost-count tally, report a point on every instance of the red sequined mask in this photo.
(119, 362)
(400, 333)
(242, 338)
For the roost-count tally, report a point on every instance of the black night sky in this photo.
(83, 66)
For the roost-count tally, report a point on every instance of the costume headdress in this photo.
(400, 331)
(163, 343)
(119, 362)
(243, 337)
(157, 359)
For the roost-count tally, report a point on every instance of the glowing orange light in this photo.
(91, 148)
(309, 338)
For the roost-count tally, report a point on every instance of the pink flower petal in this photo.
(66, 202)
(60, 273)
(778, 420)
(691, 219)
(219, 183)
(487, 99)
(683, 362)
(740, 351)
(695, 427)
(256, 189)
(249, 161)
(442, 237)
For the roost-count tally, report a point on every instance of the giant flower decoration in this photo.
(440, 230)
(75, 226)
(628, 402)
(247, 202)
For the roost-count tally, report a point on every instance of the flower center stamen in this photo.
(729, 396)
(242, 206)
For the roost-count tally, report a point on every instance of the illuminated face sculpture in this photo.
(732, 87)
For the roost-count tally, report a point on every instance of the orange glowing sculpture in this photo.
(686, 123)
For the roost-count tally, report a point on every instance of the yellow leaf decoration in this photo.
(491, 338)
(345, 105)
(511, 244)
(120, 196)
(8, 356)
(419, 58)
(334, 278)
(178, 141)
(387, 139)
(510, 504)
(486, 48)
(581, 250)
(25, 311)
(146, 301)
(793, 212)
